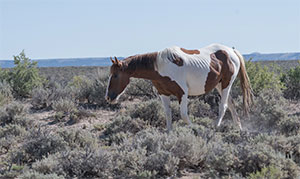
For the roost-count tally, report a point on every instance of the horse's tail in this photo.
(245, 84)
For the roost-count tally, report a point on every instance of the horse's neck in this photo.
(142, 66)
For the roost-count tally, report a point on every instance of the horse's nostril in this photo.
(107, 98)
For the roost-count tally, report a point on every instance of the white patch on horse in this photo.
(192, 74)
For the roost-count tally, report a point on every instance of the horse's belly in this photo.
(196, 82)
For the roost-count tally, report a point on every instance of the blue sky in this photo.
(90, 28)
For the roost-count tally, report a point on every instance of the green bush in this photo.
(267, 172)
(261, 78)
(24, 76)
(291, 80)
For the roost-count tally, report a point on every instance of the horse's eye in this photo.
(115, 76)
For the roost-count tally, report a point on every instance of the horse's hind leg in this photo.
(227, 102)
(166, 103)
(224, 101)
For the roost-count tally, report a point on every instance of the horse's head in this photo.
(118, 80)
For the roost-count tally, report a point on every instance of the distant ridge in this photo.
(105, 61)
(61, 62)
(272, 56)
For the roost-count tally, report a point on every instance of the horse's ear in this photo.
(112, 60)
(118, 62)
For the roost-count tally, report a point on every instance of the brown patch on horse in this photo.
(143, 66)
(176, 60)
(165, 86)
(214, 76)
(221, 70)
(190, 52)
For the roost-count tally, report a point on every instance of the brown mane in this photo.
(140, 65)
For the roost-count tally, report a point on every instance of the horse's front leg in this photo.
(184, 110)
(166, 103)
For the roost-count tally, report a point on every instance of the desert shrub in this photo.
(49, 165)
(198, 108)
(286, 146)
(291, 80)
(141, 88)
(150, 111)
(221, 157)
(36, 175)
(12, 113)
(5, 93)
(52, 92)
(166, 153)
(289, 126)
(88, 163)
(98, 89)
(10, 136)
(162, 163)
(161, 154)
(267, 172)
(84, 87)
(38, 144)
(129, 162)
(64, 105)
(122, 127)
(58, 91)
(24, 76)
(40, 98)
(190, 149)
(12, 130)
(267, 112)
(260, 155)
(77, 138)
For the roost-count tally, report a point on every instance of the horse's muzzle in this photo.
(111, 100)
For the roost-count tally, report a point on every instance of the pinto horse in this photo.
(182, 73)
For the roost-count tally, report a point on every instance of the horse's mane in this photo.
(140, 62)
